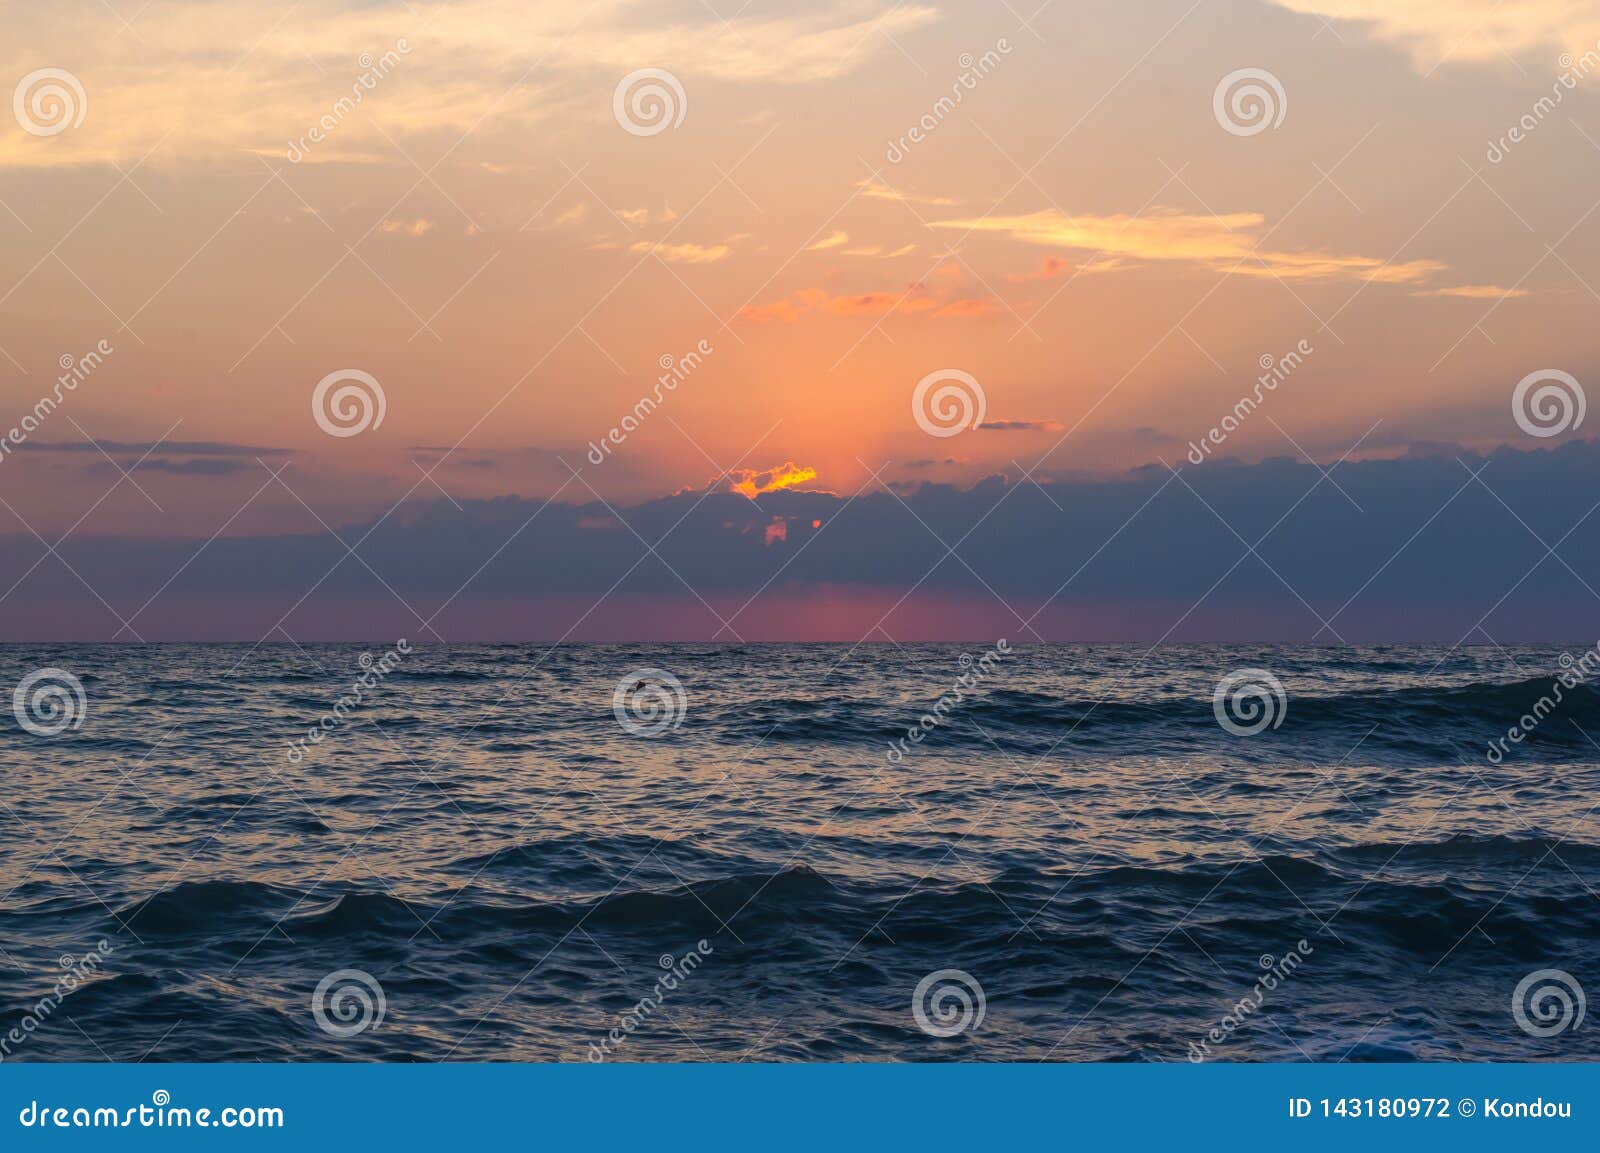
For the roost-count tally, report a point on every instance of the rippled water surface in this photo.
(1079, 835)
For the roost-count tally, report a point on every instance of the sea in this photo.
(401, 851)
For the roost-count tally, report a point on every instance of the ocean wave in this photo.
(1417, 721)
(511, 866)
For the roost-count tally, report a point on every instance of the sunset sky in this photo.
(507, 244)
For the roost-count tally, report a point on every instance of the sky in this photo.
(474, 305)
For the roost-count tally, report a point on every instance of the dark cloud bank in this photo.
(1430, 554)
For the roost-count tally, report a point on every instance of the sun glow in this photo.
(787, 475)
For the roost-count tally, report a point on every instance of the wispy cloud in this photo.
(877, 190)
(683, 253)
(911, 301)
(869, 250)
(1021, 426)
(835, 240)
(1225, 243)
(198, 466)
(941, 295)
(1477, 292)
(1434, 31)
(467, 68)
(142, 448)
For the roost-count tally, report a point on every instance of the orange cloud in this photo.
(833, 241)
(877, 190)
(683, 253)
(1225, 243)
(1477, 292)
(1049, 268)
(752, 483)
(777, 529)
(417, 227)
